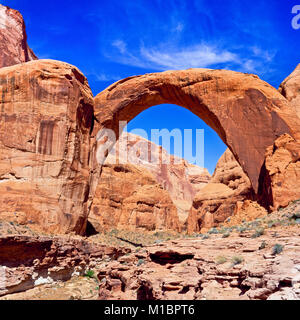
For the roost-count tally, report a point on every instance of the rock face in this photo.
(281, 173)
(13, 39)
(218, 199)
(181, 179)
(26, 262)
(247, 113)
(235, 268)
(46, 118)
(129, 198)
(290, 89)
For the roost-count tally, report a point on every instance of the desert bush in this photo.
(262, 245)
(241, 229)
(277, 249)
(90, 274)
(213, 231)
(258, 232)
(221, 260)
(205, 236)
(236, 260)
(140, 262)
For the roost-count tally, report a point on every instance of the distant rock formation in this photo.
(128, 197)
(133, 179)
(13, 39)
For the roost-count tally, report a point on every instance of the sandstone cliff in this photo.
(128, 197)
(46, 118)
(13, 39)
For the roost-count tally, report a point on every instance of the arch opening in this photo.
(173, 118)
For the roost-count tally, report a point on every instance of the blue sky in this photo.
(110, 40)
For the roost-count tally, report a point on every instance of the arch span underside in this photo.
(247, 113)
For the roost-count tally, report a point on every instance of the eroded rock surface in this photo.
(46, 116)
(28, 261)
(233, 268)
(13, 39)
(128, 197)
(218, 199)
(281, 173)
(122, 190)
(290, 89)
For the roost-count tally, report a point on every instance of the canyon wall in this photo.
(46, 118)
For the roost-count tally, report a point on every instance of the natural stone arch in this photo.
(247, 113)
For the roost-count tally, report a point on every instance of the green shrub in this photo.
(226, 235)
(241, 229)
(277, 249)
(205, 236)
(258, 232)
(236, 260)
(262, 245)
(221, 260)
(140, 262)
(90, 274)
(213, 231)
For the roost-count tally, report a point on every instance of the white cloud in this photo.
(263, 54)
(165, 57)
(199, 56)
(192, 57)
(120, 45)
(107, 77)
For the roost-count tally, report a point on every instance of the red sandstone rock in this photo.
(26, 262)
(218, 199)
(188, 269)
(281, 175)
(46, 118)
(181, 179)
(13, 39)
(129, 198)
(290, 89)
(246, 112)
